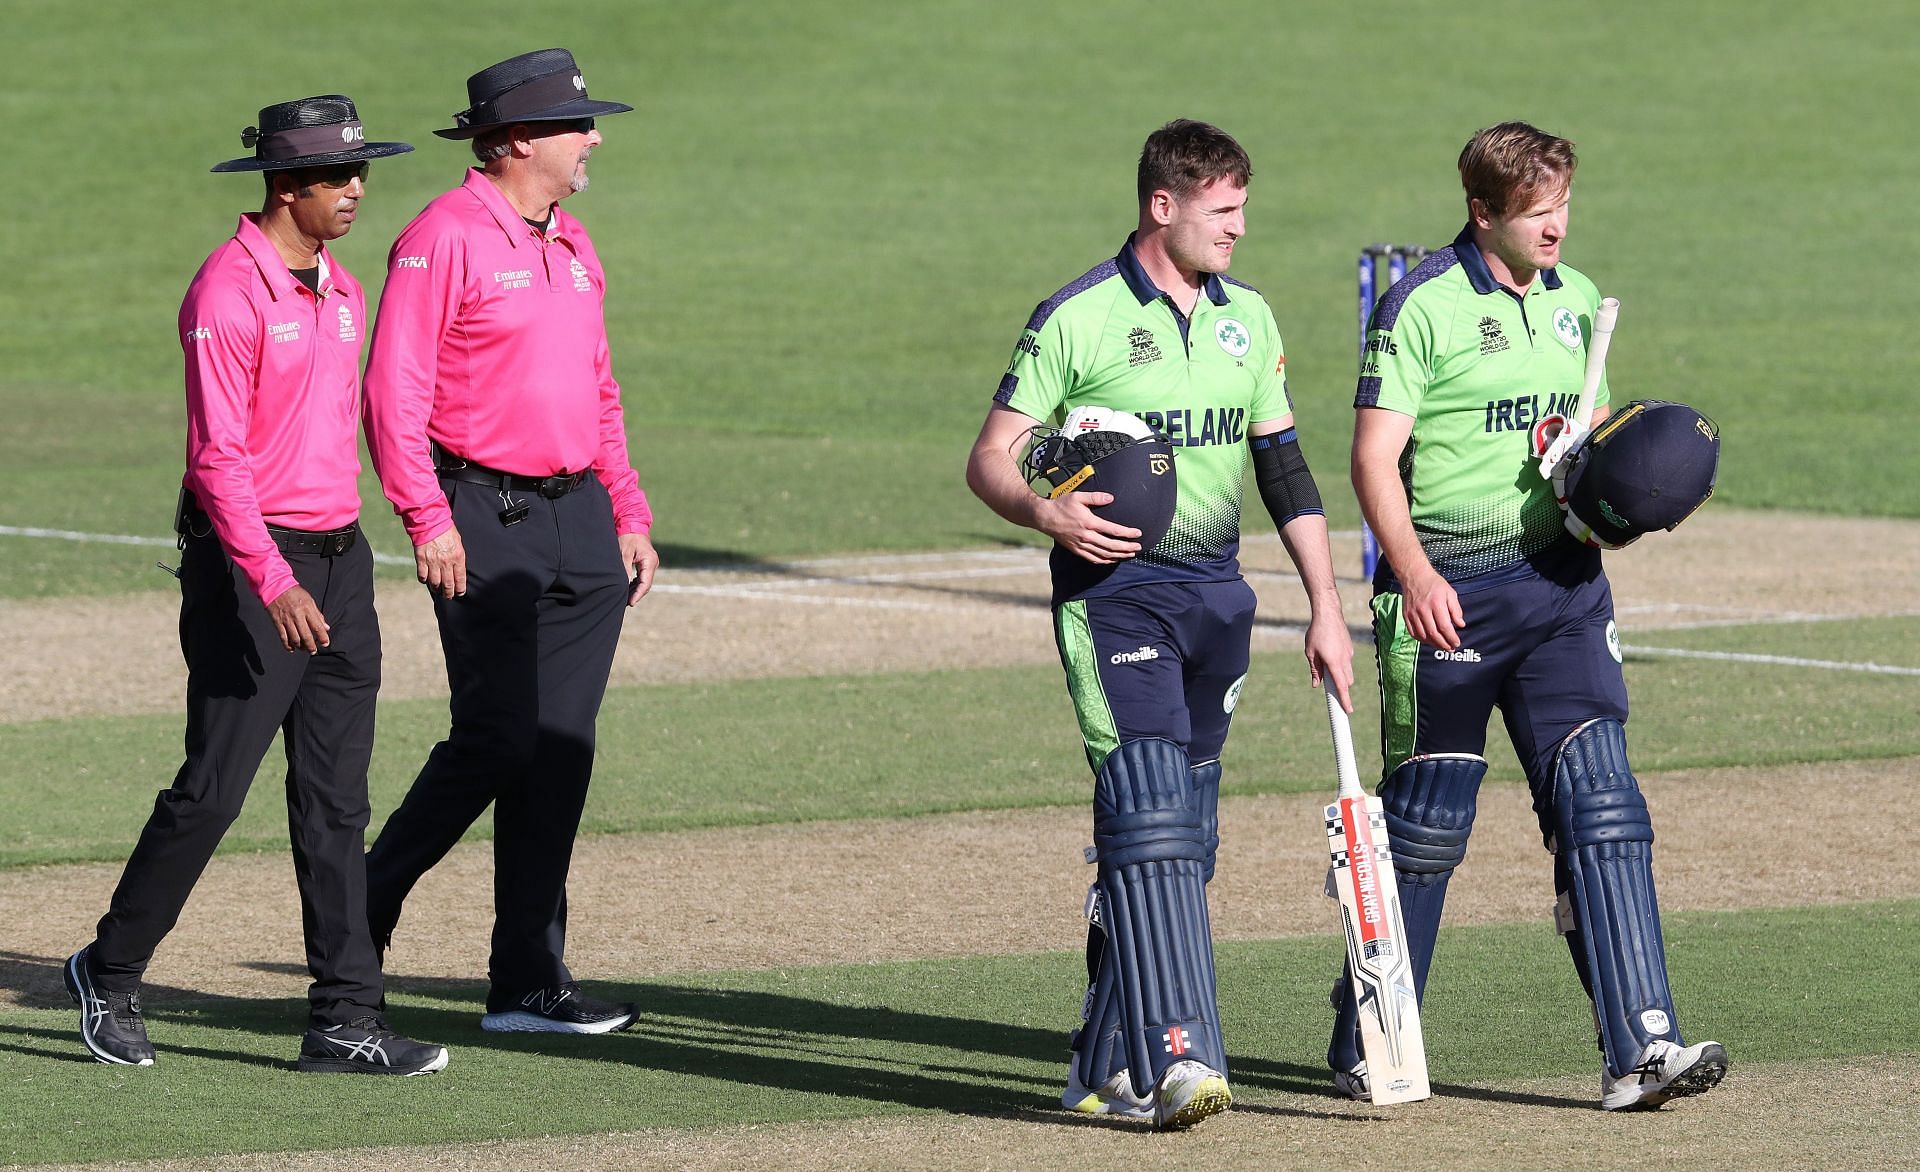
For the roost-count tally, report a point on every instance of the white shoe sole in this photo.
(310, 1066)
(519, 1021)
(80, 989)
(1191, 1101)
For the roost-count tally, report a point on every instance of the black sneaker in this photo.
(559, 1009)
(110, 1023)
(367, 1046)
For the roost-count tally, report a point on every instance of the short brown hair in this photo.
(1514, 164)
(1183, 156)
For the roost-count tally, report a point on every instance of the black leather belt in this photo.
(330, 544)
(459, 468)
(191, 521)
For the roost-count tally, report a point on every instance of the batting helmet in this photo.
(1109, 451)
(1649, 466)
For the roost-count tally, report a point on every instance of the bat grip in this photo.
(1343, 761)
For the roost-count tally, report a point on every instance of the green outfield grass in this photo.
(827, 223)
(977, 1036)
(800, 749)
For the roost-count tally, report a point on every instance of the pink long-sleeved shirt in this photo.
(491, 342)
(273, 400)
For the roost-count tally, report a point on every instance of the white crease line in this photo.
(1778, 660)
(385, 559)
(904, 576)
(813, 599)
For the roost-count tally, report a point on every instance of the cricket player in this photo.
(1484, 600)
(1155, 640)
(495, 423)
(276, 598)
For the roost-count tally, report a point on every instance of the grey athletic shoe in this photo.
(1189, 1092)
(1112, 1097)
(110, 1023)
(1665, 1071)
(557, 1009)
(1353, 1083)
(367, 1046)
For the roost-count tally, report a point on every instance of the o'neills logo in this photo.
(1464, 655)
(1140, 656)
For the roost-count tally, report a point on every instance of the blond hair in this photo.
(1514, 164)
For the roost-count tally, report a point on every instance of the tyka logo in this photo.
(410, 262)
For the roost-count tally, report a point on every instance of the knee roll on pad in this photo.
(1429, 802)
(1152, 851)
(1604, 843)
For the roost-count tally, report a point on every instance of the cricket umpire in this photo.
(276, 597)
(1484, 600)
(1153, 628)
(495, 424)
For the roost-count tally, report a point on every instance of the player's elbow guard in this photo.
(1286, 484)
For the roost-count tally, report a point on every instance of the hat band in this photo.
(301, 141)
(529, 97)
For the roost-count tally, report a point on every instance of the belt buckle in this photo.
(555, 487)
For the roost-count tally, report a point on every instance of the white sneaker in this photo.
(1665, 1071)
(1353, 1083)
(1189, 1092)
(1112, 1097)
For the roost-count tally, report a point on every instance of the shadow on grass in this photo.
(784, 1042)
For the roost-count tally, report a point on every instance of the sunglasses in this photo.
(333, 177)
(562, 126)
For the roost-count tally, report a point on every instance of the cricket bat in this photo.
(1362, 880)
(1582, 422)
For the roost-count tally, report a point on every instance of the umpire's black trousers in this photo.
(242, 688)
(528, 650)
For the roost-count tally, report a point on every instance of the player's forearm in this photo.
(1305, 537)
(1383, 502)
(992, 476)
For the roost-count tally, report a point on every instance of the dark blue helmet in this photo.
(1101, 450)
(1649, 466)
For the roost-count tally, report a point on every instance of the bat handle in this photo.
(1343, 761)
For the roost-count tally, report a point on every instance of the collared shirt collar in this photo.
(1475, 263)
(280, 280)
(511, 222)
(1145, 291)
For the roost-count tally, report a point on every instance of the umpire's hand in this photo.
(298, 620)
(441, 563)
(637, 554)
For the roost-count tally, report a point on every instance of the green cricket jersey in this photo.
(1113, 339)
(1478, 366)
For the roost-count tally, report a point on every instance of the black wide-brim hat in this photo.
(320, 131)
(542, 86)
